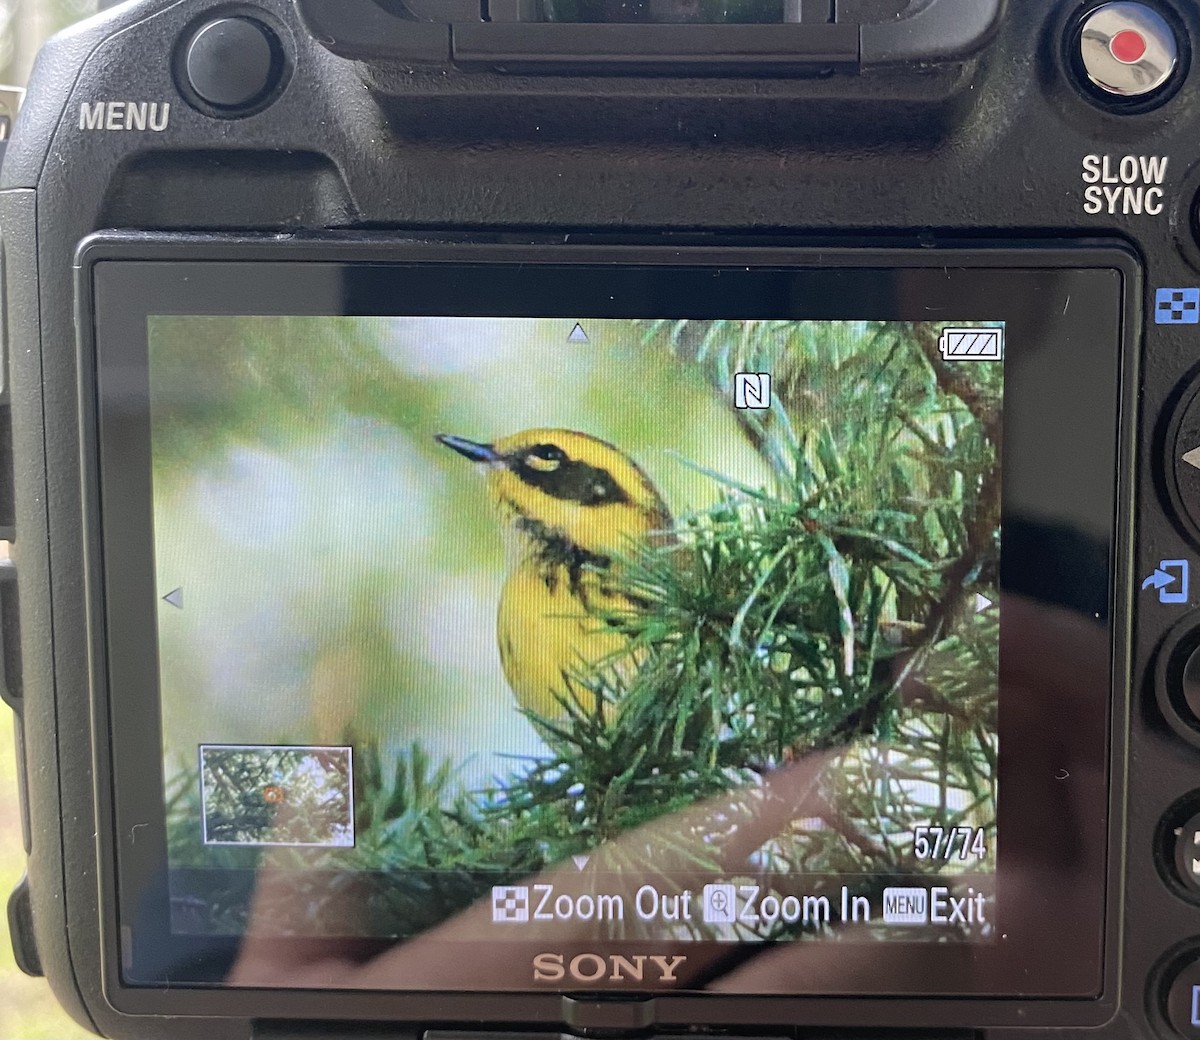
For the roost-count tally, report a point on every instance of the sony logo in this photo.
(593, 967)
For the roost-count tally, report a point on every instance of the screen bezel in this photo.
(286, 278)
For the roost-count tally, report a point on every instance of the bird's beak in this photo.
(468, 449)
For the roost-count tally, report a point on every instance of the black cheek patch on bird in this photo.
(572, 481)
(554, 552)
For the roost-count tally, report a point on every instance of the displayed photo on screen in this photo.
(447, 603)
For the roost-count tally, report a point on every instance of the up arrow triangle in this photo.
(175, 598)
(1192, 458)
(578, 335)
(981, 602)
(581, 861)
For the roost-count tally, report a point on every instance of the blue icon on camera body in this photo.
(1196, 1005)
(1177, 307)
(1171, 579)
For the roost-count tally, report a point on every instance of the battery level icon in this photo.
(972, 344)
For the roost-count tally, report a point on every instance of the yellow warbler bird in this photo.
(571, 503)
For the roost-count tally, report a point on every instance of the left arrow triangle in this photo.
(175, 598)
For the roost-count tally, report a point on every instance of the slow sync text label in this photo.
(125, 115)
(1128, 185)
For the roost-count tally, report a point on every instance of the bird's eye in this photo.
(545, 458)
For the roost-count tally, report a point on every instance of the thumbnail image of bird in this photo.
(570, 503)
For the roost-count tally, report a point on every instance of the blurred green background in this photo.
(27, 1009)
(341, 569)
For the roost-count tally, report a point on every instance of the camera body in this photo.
(918, 137)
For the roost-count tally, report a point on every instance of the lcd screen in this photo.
(503, 594)
(636, 644)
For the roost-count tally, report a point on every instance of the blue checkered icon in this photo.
(1177, 307)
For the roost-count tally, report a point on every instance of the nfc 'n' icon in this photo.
(752, 391)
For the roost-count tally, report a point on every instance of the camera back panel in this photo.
(1023, 136)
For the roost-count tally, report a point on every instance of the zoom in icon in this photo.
(719, 905)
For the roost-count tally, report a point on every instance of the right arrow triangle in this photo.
(981, 602)
(1192, 458)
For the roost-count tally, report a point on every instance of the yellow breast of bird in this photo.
(548, 634)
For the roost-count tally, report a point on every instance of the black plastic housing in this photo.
(977, 140)
(513, 35)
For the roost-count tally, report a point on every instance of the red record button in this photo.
(1128, 50)
(1128, 46)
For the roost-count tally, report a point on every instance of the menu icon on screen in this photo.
(905, 906)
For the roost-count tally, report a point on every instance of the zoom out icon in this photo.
(510, 904)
